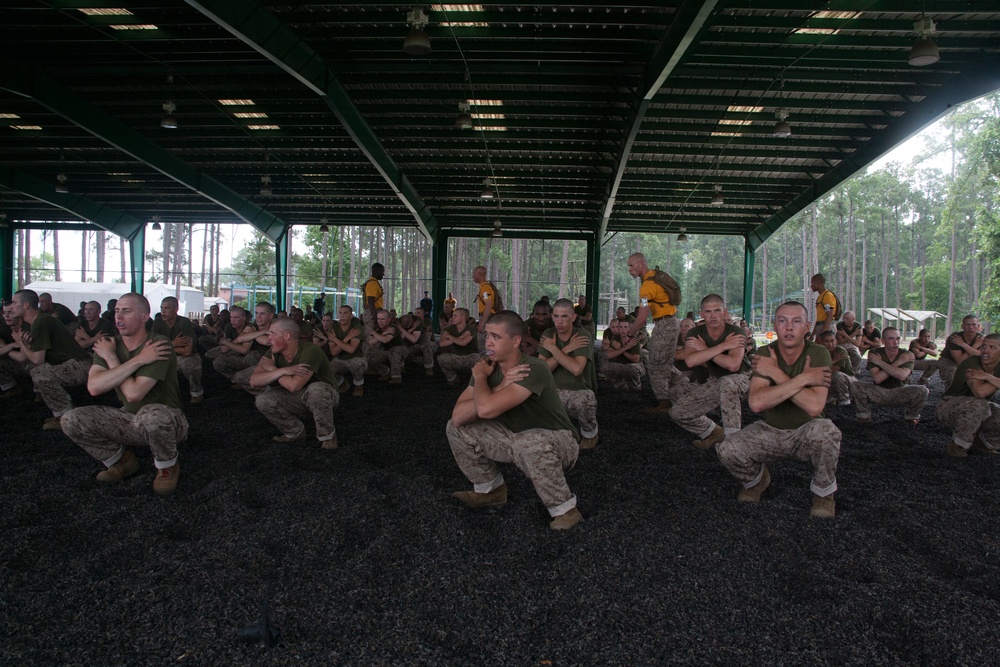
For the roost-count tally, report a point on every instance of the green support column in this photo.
(439, 271)
(281, 268)
(748, 267)
(137, 249)
(6, 261)
(593, 273)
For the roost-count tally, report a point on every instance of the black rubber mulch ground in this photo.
(374, 563)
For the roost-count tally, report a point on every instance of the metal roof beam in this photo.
(689, 20)
(23, 80)
(248, 21)
(969, 86)
(101, 215)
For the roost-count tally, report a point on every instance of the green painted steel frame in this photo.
(259, 29)
(137, 251)
(23, 80)
(6, 261)
(281, 268)
(749, 260)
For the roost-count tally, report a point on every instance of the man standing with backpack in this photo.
(655, 301)
(828, 308)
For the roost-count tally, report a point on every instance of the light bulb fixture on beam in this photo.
(156, 223)
(323, 227)
(487, 192)
(682, 237)
(924, 51)
(417, 43)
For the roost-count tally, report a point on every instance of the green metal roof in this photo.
(606, 117)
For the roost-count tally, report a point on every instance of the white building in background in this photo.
(192, 300)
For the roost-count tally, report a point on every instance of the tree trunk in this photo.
(784, 266)
(213, 289)
(884, 251)
(805, 270)
(563, 270)
(84, 254)
(168, 249)
(27, 257)
(55, 254)
(324, 261)
(815, 238)
(190, 254)
(122, 242)
(763, 292)
(101, 246)
(951, 285)
(864, 273)
(352, 242)
(204, 255)
(340, 257)
(725, 276)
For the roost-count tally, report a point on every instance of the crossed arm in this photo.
(808, 389)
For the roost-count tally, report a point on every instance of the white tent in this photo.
(192, 301)
(904, 316)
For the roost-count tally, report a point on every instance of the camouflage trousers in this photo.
(228, 364)
(927, 367)
(368, 321)
(214, 353)
(387, 362)
(865, 395)
(817, 441)
(581, 405)
(190, 367)
(355, 367)
(622, 375)
(855, 356)
(662, 345)
(692, 401)
(970, 416)
(543, 455)
(243, 380)
(451, 364)
(208, 342)
(50, 382)
(424, 350)
(10, 370)
(840, 386)
(103, 432)
(946, 370)
(286, 409)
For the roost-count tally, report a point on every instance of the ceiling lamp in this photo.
(156, 223)
(61, 186)
(417, 43)
(169, 121)
(782, 128)
(717, 198)
(3, 219)
(464, 120)
(324, 228)
(497, 232)
(265, 186)
(925, 51)
(682, 237)
(487, 192)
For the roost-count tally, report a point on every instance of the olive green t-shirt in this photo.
(341, 334)
(472, 347)
(311, 355)
(397, 338)
(959, 386)
(258, 344)
(103, 326)
(164, 371)
(48, 334)
(182, 327)
(711, 369)
(949, 346)
(542, 409)
(621, 358)
(844, 365)
(890, 382)
(787, 415)
(563, 377)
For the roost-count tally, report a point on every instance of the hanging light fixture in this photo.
(417, 43)
(782, 128)
(156, 223)
(497, 232)
(464, 119)
(61, 186)
(265, 186)
(323, 227)
(487, 192)
(169, 121)
(3, 219)
(682, 237)
(924, 51)
(717, 198)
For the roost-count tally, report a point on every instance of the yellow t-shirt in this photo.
(653, 295)
(373, 289)
(486, 293)
(826, 301)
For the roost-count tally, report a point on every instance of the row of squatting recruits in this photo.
(517, 408)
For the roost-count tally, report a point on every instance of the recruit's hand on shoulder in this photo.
(764, 365)
(152, 351)
(515, 375)
(819, 376)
